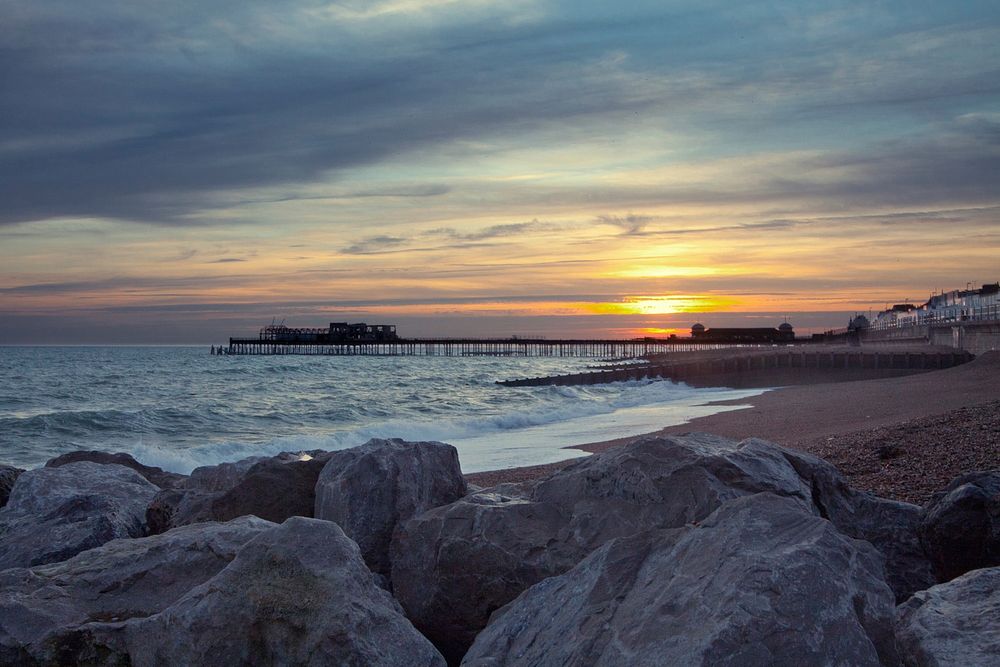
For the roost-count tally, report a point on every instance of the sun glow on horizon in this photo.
(660, 305)
(666, 272)
(659, 331)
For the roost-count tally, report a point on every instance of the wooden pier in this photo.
(472, 347)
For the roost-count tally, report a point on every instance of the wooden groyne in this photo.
(770, 368)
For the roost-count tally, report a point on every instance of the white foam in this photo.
(568, 416)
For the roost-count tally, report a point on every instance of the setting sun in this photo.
(660, 305)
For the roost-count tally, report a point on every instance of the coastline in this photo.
(934, 423)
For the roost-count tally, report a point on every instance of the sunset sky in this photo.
(185, 171)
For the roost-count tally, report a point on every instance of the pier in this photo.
(362, 339)
(470, 347)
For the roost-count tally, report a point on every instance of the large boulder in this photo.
(961, 525)
(8, 475)
(891, 526)
(762, 581)
(120, 580)
(158, 476)
(55, 513)
(177, 507)
(298, 594)
(455, 565)
(273, 488)
(223, 476)
(955, 623)
(369, 490)
(188, 501)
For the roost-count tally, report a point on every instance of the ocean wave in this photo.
(83, 423)
(575, 403)
(180, 408)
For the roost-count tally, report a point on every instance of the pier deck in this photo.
(465, 347)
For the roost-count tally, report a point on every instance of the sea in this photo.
(180, 407)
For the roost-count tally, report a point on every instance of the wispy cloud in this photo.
(374, 244)
(630, 223)
(462, 239)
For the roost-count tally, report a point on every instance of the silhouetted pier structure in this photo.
(361, 339)
(470, 347)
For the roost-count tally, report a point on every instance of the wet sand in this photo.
(941, 423)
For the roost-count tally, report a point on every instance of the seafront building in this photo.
(954, 306)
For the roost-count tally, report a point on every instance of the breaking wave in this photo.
(182, 408)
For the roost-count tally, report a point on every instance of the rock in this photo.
(955, 623)
(119, 580)
(298, 594)
(189, 501)
(891, 526)
(158, 476)
(224, 476)
(221, 477)
(368, 490)
(8, 475)
(762, 581)
(272, 488)
(55, 513)
(162, 508)
(454, 565)
(961, 525)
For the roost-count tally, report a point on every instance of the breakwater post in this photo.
(793, 365)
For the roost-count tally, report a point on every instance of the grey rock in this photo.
(272, 488)
(8, 475)
(158, 476)
(955, 623)
(224, 476)
(122, 579)
(961, 525)
(892, 527)
(298, 594)
(368, 490)
(762, 581)
(163, 508)
(55, 513)
(455, 565)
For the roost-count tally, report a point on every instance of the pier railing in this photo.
(468, 347)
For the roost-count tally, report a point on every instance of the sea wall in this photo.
(787, 366)
(973, 337)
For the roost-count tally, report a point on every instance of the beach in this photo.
(902, 438)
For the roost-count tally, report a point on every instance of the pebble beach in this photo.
(902, 438)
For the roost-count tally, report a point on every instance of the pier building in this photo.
(784, 333)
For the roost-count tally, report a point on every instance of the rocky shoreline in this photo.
(686, 550)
